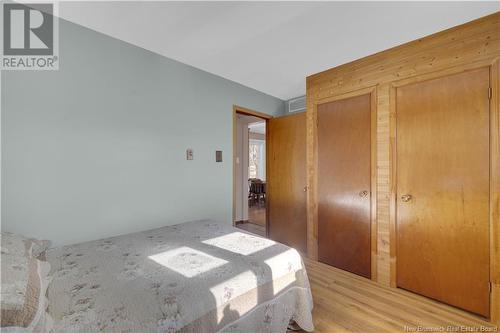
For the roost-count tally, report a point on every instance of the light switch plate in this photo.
(189, 154)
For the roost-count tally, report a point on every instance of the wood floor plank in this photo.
(344, 302)
(253, 228)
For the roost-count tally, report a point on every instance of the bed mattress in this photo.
(200, 276)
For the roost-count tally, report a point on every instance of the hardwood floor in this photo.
(344, 302)
(256, 219)
(257, 213)
(253, 228)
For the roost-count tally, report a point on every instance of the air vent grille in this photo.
(297, 104)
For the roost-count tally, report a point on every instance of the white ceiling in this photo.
(270, 46)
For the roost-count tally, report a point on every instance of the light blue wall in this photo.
(98, 147)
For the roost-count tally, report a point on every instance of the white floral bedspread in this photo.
(200, 276)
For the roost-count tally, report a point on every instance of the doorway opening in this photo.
(250, 168)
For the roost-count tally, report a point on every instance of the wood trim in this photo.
(267, 178)
(392, 185)
(241, 110)
(495, 192)
(312, 181)
(233, 165)
(250, 112)
(354, 93)
(441, 73)
(373, 182)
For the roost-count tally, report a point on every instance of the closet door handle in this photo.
(406, 197)
(363, 193)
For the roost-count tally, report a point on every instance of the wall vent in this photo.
(297, 104)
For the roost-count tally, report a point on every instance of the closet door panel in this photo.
(443, 189)
(344, 184)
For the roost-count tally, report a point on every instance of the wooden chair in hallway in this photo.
(257, 191)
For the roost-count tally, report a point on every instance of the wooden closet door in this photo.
(443, 189)
(287, 180)
(344, 184)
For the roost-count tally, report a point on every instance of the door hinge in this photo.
(489, 287)
(490, 92)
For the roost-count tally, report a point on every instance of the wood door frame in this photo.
(494, 214)
(248, 112)
(312, 217)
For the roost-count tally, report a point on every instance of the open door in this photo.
(287, 180)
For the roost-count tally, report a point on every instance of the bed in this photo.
(200, 276)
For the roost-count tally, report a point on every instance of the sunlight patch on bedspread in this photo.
(187, 261)
(283, 266)
(239, 242)
(234, 287)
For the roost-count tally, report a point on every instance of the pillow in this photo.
(24, 281)
(15, 244)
